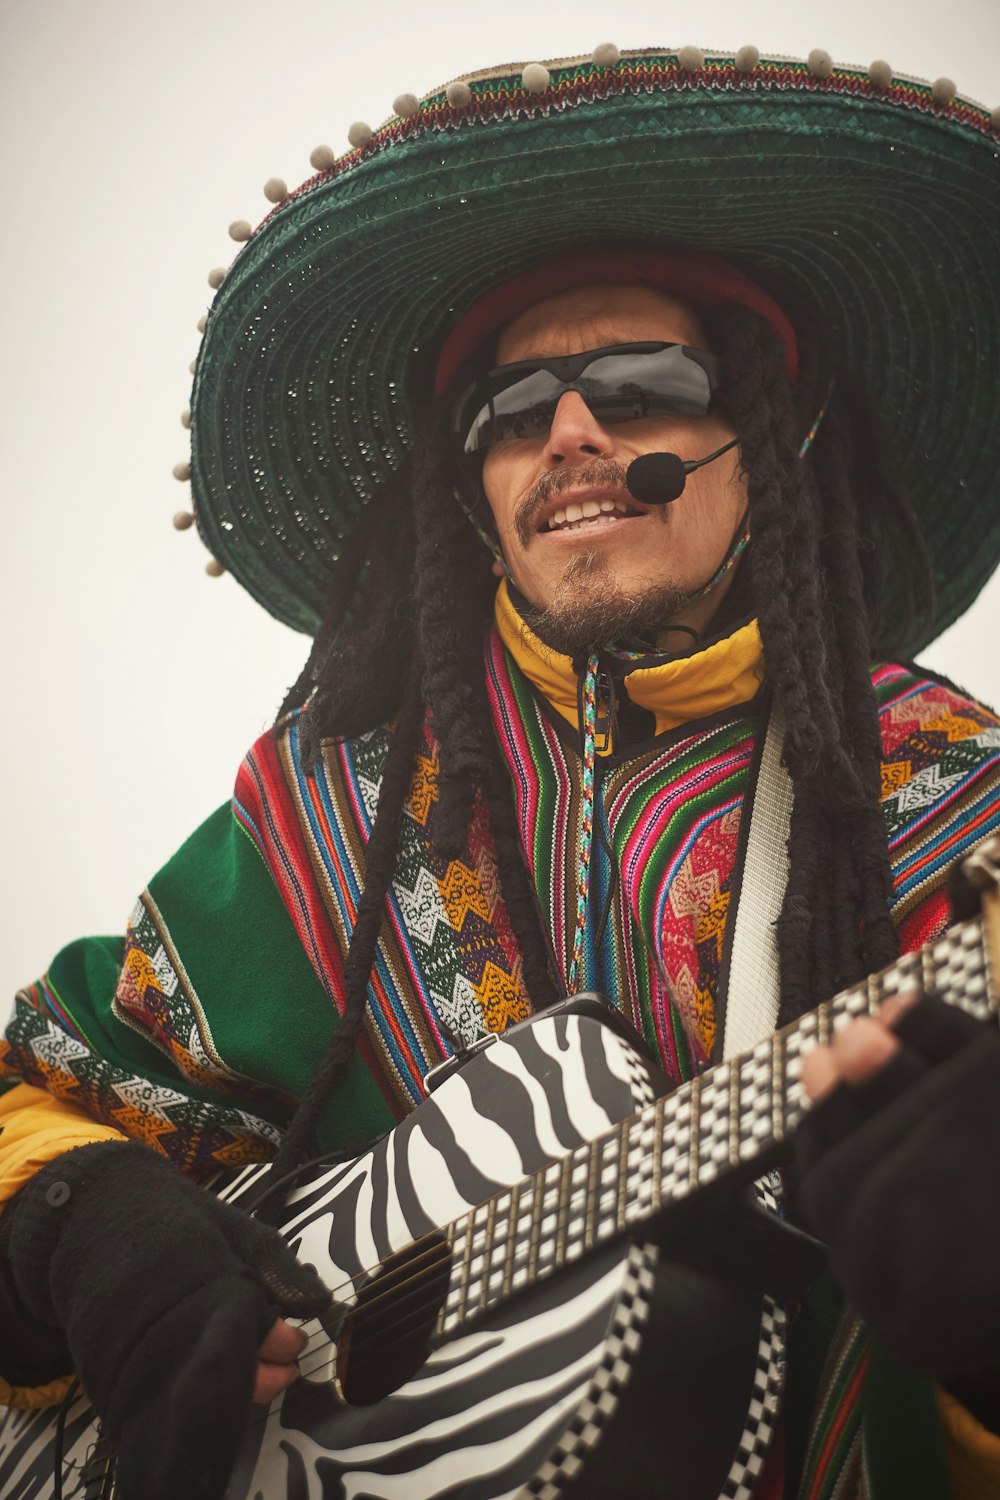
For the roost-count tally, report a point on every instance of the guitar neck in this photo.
(721, 1122)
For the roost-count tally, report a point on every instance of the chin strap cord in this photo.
(587, 701)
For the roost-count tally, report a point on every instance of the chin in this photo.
(592, 608)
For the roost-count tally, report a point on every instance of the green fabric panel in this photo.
(903, 1442)
(270, 1017)
(811, 1328)
(902, 1432)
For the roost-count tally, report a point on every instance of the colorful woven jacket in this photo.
(200, 1031)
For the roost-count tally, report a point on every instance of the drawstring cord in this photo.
(587, 709)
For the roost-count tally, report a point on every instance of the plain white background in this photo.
(131, 136)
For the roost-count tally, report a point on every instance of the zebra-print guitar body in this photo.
(493, 1275)
(513, 1403)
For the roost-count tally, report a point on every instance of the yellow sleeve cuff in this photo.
(35, 1128)
(972, 1452)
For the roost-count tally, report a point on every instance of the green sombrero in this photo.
(879, 197)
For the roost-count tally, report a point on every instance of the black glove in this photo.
(900, 1176)
(164, 1295)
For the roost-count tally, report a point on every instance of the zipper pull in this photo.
(605, 711)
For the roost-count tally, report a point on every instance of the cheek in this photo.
(500, 486)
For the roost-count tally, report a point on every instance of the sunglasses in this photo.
(619, 384)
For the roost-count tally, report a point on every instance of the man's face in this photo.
(614, 573)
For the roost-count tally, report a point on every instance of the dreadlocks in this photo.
(812, 576)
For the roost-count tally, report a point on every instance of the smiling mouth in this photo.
(578, 516)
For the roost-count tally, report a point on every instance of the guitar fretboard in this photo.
(724, 1120)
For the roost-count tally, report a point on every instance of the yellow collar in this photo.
(724, 675)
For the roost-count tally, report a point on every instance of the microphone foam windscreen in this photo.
(656, 478)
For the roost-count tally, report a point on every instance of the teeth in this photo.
(574, 517)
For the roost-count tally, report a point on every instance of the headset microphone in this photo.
(658, 478)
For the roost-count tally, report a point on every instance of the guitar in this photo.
(494, 1265)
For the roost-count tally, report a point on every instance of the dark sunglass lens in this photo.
(621, 387)
(521, 410)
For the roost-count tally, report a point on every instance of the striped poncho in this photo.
(199, 1031)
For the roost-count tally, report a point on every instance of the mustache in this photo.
(603, 471)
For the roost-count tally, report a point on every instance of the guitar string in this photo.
(676, 1099)
(392, 1293)
(319, 1354)
(395, 1294)
(902, 969)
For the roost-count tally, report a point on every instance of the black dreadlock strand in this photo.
(368, 619)
(454, 591)
(423, 610)
(817, 611)
(380, 860)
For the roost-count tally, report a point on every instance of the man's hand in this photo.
(277, 1362)
(170, 1302)
(899, 1159)
(857, 1051)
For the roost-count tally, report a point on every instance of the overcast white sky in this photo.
(132, 134)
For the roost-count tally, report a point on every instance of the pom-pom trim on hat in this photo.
(322, 158)
(819, 63)
(405, 106)
(240, 230)
(183, 520)
(276, 190)
(360, 134)
(536, 78)
(458, 94)
(502, 96)
(943, 91)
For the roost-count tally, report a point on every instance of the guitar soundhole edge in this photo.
(385, 1338)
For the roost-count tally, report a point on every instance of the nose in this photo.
(575, 435)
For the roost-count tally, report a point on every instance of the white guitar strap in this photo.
(753, 989)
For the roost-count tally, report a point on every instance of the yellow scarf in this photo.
(723, 675)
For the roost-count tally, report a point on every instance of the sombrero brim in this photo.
(879, 202)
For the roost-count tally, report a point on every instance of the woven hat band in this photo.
(706, 280)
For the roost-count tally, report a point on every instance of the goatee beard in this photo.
(590, 610)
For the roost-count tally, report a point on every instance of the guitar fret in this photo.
(508, 1259)
(623, 1163)
(777, 1086)
(466, 1265)
(695, 1143)
(562, 1212)
(658, 1130)
(536, 1226)
(487, 1251)
(874, 993)
(824, 1024)
(734, 1112)
(593, 1177)
(722, 1119)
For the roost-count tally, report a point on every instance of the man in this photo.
(482, 800)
